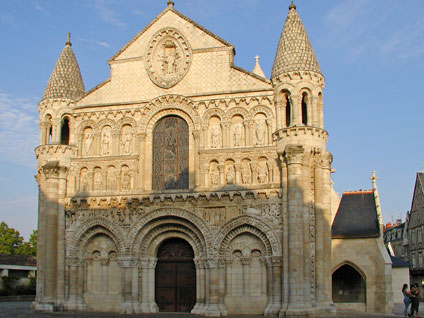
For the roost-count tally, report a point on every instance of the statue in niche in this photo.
(126, 181)
(84, 181)
(260, 132)
(238, 135)
(245, 173)
(215, 136)
(87, 143)
(230, 174)
(126, 142)
(106, 142)
(169, 58)
(111, 181)
(262, 172)
(214, 175)
(98, 180)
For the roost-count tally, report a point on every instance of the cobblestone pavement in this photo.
(22, 310)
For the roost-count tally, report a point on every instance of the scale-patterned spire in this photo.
(294, 52)
(65, 80)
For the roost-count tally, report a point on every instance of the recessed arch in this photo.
(348, 285)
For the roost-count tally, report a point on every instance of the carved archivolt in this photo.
(216, 112)
(170, 105)
(261, 109)
(106, 122)
(165, 215)
(93, 227)
(248, 224)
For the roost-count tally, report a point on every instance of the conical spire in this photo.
(65, 80)
(294, 52)
(258, 70)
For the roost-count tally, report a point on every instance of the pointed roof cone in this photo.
(258, 70)
(65, 80)
(294, 52)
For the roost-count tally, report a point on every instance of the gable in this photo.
(198, 37)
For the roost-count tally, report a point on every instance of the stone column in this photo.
(73, 283)
(196, 137)
(238, 173)
(222, 282)
(141, 138)
(294, 158)
(269, 132)
(245, 261)
(151, 279)
(213, 307)
(221, 168)
(226, 142)
(279, 113)
(80, 284)
(145, 300)
(116, 149)
(97, 144)
(56, 131)
(126, 305)
(296, 110)
(274, 264)
(326, 210)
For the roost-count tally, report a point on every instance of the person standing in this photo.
(406, 299)
(415, 300)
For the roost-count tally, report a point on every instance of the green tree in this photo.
(10, 240)
(30, 247)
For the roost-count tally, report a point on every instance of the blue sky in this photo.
(371, 53)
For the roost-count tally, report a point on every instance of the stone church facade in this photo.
(185, 183)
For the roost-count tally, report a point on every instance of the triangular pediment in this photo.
(198, 37)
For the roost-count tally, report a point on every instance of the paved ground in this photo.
(22, 310)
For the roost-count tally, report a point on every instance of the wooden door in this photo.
(175, 277)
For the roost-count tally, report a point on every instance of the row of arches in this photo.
(110, 178)
(180, 245)
(299, 110)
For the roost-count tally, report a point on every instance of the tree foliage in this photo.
(11, 242)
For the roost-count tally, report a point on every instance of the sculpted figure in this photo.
(169, 58)
(87, 143)
(238, 135)
(126, 181)
(98, 180)
(215, 136)
(262, 172)
(230, 174)
(214, 175)
(106, 143)
(126, 142)
(84, 181)
(260, 132)
(245, 173)
(111, 182)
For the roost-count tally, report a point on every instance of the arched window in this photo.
(288, 111)
(304, 109)
(170, 154)
(348, 285)
(64, 132)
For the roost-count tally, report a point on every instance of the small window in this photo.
(304, 109)
(64, 132)
(288, 111)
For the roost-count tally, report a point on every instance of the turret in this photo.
(306, 167)
(57, 148)
(64, 87)
(297, 80)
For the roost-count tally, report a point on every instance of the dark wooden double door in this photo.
(175, 277)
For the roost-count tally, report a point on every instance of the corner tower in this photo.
(306, 167)
(57, 148)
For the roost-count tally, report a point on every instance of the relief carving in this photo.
(168, 57)
(238, 135)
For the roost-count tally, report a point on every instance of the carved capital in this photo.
(245, 260)
(52, 169)
(294, 154)
(196, 134)
(125, 261)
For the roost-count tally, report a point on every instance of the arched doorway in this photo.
(348, 285)
(175, 277)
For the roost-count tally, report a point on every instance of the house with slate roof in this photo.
(416, 231)
(362, 268)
